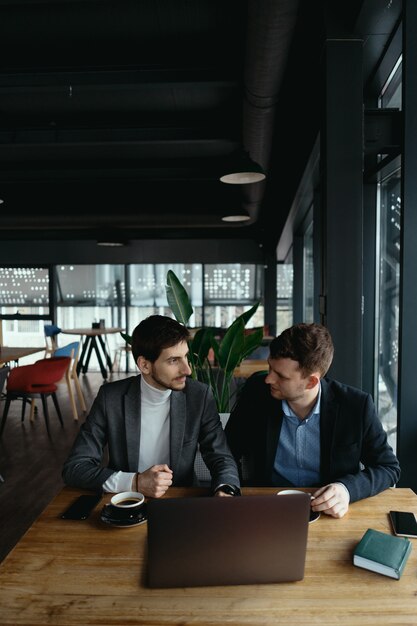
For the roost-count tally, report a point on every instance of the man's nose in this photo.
(269, 379)
(186, 368)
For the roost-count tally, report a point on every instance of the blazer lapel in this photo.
(274, 423)
(328, 413)
(132, 424)
(177, 419)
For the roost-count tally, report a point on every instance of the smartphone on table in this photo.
(81, 507)
(404, 523)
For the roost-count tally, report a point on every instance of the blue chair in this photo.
(51, 332)
(72, 350)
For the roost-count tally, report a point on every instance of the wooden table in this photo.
(249, 367)
(14, 354)
(85, 573)
(92, 339)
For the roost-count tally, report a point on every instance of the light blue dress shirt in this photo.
(297, 459)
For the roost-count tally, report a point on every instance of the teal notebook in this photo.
(382, 553)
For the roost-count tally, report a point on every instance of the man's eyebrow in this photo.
(276, 371)
(176, 356)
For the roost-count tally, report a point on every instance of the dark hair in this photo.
(154, 334)
(310, 345)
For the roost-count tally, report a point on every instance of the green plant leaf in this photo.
(178, 299)
(252, 341)
(201, 344)
(231, 346)
(246, 315)
(127, 338)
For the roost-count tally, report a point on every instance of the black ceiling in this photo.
(118, 117)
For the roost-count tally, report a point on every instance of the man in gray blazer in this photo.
(295, 428)
(151, 424)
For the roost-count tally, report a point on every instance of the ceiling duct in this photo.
(271, 25)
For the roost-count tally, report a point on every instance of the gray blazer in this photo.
(114, 421)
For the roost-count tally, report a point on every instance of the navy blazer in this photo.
(353, 443)
(114, 421)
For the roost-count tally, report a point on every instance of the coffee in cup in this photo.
(127, 499)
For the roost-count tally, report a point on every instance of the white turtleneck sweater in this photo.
(154, 436)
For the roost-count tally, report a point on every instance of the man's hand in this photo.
(221, 493)
(155, 481)
(331, 499)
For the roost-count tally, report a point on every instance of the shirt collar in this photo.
(314, 411)
(152, 394)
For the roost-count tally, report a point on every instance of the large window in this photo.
(229, 290)
(388, 273)
(122, 296)
(88, 294)
(25, 301)
(388, 285)
(285, 278)
(308, 275)
(24, 290)
(147, 295)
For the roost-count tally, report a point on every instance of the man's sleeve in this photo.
(83, 468)
(381, 468)
(238, 427)
(214, 448)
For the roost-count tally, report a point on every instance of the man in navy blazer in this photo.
(296, 428)
(152, 424)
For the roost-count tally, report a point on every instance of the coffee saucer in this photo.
(118, 518)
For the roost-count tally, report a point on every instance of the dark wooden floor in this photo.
(31, 462)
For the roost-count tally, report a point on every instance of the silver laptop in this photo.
(227, 541)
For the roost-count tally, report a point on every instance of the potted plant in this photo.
(229, 351)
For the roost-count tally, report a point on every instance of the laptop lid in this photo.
(227, 541)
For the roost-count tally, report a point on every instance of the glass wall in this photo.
(229, 290)
(388, 273)
(120, 296)
(308, 275)
(147, 296)
(24, 296)
(388, 285)
(285, 276)
(91, 293)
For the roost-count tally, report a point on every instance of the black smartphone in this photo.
(404, 524)
(81, 507)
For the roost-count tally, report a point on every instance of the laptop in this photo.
(205, 541)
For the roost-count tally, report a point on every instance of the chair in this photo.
(126, 350)
(37, 380)
(4, 371)
(51, 332)
(200, 468)
(72, 350)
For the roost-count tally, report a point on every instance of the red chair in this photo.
(37, 380)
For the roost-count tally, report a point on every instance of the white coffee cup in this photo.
(127, 499)
(288, 492)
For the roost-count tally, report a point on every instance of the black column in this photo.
(341, 184)
(407, 394)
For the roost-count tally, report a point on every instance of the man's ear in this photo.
(313, 380)
(143, 364)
